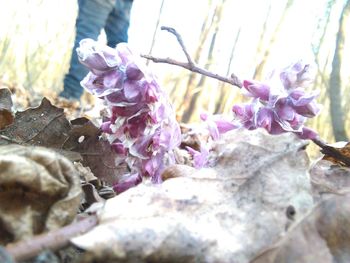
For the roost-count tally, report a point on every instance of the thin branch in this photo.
(52, 240)
(190, 65)
(181, 42)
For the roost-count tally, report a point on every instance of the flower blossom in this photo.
(141, 128)
(200, 158)
(280, 104)
(218, 124)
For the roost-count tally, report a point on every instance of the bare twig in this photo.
(181, 42)
(53, 240)
(190, 64)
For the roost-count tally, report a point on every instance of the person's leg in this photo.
(91, 19)
(117, 24)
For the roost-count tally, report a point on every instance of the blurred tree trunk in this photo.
(263, 35)
(260, 67)
(322, 25)
(190, 99)
(188, 113)
(206, 26)
(220, 102)
(337, 114)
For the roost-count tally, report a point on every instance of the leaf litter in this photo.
(260, 201)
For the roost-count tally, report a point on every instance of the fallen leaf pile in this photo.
(230, 211)
(261, 199)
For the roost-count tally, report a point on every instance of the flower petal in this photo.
(257, 89)
(98, 58)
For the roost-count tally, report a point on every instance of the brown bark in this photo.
(336, 111)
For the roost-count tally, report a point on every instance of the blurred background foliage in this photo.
(248, 38)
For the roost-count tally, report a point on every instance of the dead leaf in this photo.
(323, 236)
(39, 191)
(90, 194)
(101, 159)
(222, 214)
(78, 140)
(6, 117)
(328, 178)
(45, 125)
(85, 173)
(337, 153)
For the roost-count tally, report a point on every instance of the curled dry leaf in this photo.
(6, 117)
(323, 236)
(39, 191)
(230, 211)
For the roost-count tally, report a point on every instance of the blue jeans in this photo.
(94, 15)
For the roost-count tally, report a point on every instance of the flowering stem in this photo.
(234, 80)
(190, 64)
(52, 240)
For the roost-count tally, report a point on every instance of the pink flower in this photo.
(98, 58)
(200, 158)
(128, 181)
(141, 117)
(280, 104)
(217, 124)
(256, 89)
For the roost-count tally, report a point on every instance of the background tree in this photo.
(335, 82)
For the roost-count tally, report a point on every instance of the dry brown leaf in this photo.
(45, 125)
(6, 117)
(39, 191)
(101, 159)
(96, 152)
(323, 236)
(337, 153)
(78, 140)
(224, 214)
(328, 178)
(85, 173)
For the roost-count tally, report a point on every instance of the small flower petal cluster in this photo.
(218, 124)
(141, 127)
(280, 104)
(201, 157)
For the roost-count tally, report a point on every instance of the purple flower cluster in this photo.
(141, 127)
(281, 104)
